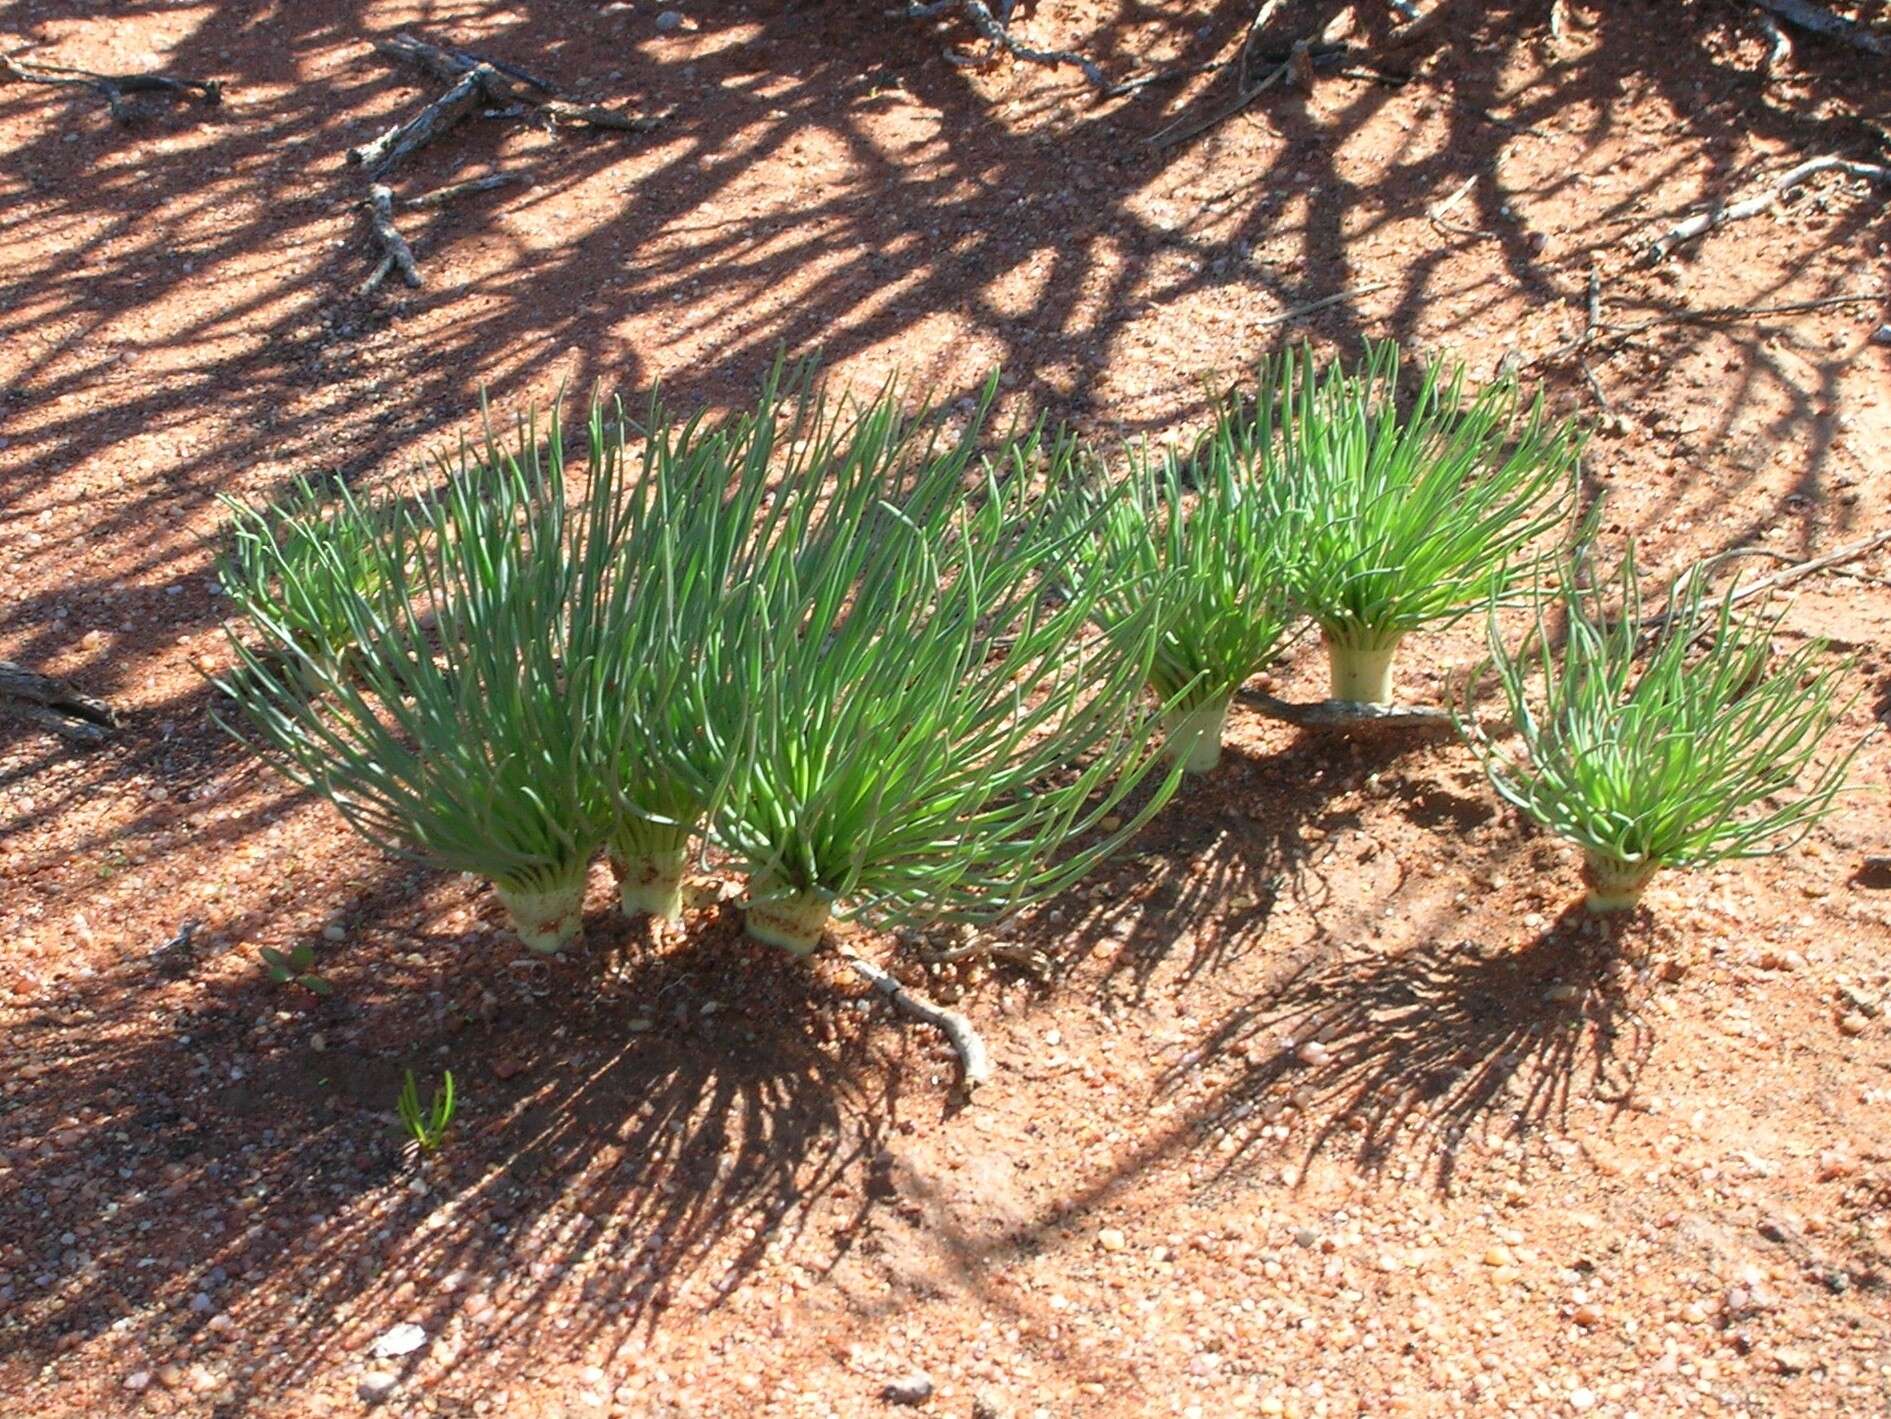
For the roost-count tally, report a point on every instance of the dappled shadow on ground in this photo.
(1394, 1060)
(827, 181)
(1204, 882)
(641, 1129)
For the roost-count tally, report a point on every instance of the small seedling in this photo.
(295, 967)
(428, 1126)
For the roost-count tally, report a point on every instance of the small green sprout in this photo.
(1662, 742)
(296, 967)
(428, 1125)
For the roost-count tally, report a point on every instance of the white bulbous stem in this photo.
(648, 859)
(547, 917)
(792, 921)
(1195, 736)
(1614, 885)
(1362, 674)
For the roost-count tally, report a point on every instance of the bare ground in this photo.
(1329, 1105)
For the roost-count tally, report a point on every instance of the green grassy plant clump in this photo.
(1403, 519)
(677, 711)
(463, 733)
(937, 736)
(1672, 744)
(1218, 555)
(305, 559)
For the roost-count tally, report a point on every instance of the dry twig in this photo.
(54, 704)
(438, 197)
(112, 87)
(1704, 222)
(1180, 132)
(1787, 576)
(974, 1061)
(1710, 315)
(473, 80)
(379, 155)
(1295, 312)
(1816, 19)
(995, 29)
(381, 210)
(1347, 717)
(505, 84)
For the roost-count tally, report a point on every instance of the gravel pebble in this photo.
(915, 1388)
(376, 1386)
(402, 1339)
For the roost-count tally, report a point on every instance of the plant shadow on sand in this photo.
(1204, 883)
(1397, 1060)
(641, 1128)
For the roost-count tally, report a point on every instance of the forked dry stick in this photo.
(1714, 219)
(1349, 717)
(381, 211)
(504, 84)
(473, 81)
(1708, 315)
(438, 197)
(381, 154)
(1788, 576)
(112, 87)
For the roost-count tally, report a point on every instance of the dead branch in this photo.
(1346, 716)
(1771, 555)
(382, 153)
(1029, 958)
(1780, 580)
(1163, 76)
(974, 1061)
(1179, 132)
(1436, 215)
(112, 87)
(1780, 45)
(473, 80)
(1590, 325)
(54, 704)
(440, 196)
(996, 32)
(502, 84)
(381, 210)
(1799, 571)
(1710, 315)
(1420, 29)
(1718, 217)
(1816, 19)
(1295, 312)
(1297, 63)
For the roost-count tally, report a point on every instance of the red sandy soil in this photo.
(1521, 1168)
